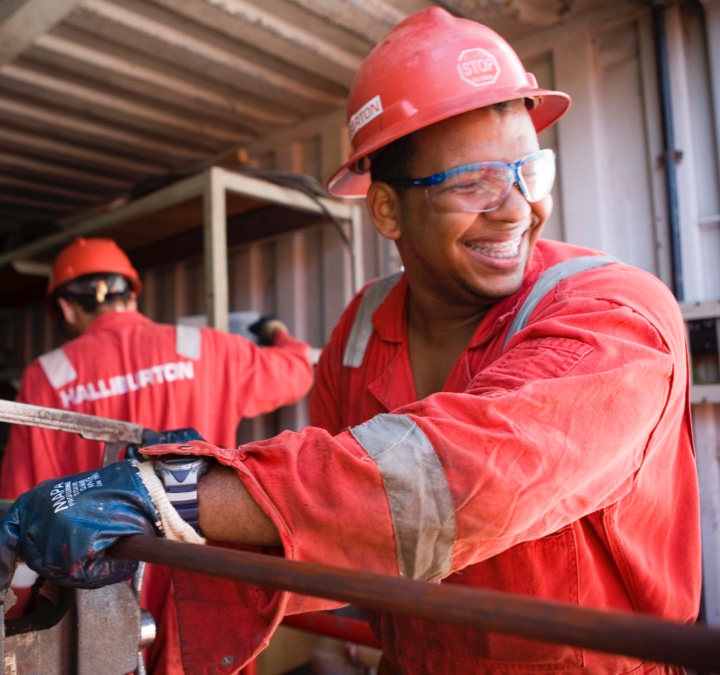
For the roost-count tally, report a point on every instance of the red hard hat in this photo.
(91, 256)
(428, 68)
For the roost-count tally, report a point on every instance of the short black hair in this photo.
(84, 290)
(392, 161)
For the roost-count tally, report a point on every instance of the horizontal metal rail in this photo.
(88, 426)
(612, 632)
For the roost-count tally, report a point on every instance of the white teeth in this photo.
(505, 249)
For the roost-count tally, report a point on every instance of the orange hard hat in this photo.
(91, 256)
(428, 68)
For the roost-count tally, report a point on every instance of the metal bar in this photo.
(263, 190)
(613, 632)
(215, 240)
(88, 426)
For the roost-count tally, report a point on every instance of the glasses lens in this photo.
(479, 189)
(537, 173)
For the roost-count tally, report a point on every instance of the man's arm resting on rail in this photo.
(228, 513)
(62, 532)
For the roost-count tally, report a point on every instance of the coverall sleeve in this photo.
(554, 429)
(262, 378)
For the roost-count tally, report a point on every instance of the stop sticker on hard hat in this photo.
(477, 67)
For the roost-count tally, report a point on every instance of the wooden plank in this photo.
(71, 152)
(133, 112)
(290, 39)
(51, 122)
(32, 185)
(371, 18)
(12, 161)
(38, 202)
(158, 77)
(29, 20)
(270, 82)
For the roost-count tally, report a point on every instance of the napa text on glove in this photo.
(63, 527)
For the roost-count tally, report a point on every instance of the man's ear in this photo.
(131, 304)
(69, 313)
(384, 206)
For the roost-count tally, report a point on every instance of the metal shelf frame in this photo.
(212, 185)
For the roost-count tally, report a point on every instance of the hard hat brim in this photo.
(550, 107)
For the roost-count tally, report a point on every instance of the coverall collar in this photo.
(390, 318)
(111, 319)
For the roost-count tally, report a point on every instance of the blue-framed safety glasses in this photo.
(485, 186)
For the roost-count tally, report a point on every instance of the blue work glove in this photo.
(63, 526)
(265, 328)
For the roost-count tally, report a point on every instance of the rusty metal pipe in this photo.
(613, 632)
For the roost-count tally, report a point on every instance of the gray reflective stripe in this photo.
(188, 340)
(57, 367)
(421, 504)
(362, 325)
(548, 280)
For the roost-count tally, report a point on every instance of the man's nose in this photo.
(514, 208)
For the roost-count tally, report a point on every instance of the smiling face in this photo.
(464, 258)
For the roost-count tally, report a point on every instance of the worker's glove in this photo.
(265, 328)
(63, 527)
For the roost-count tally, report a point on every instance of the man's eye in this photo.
(467, 186)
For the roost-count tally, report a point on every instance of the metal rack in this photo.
(205, 200)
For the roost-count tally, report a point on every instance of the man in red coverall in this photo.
(507, 413)
(124, 366)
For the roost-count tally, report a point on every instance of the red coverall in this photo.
(561, 468)
(129, 368)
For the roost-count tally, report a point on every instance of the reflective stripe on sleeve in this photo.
(57, 368)
(421, 505)
(188, 340)
(548, 280)
(362, 327)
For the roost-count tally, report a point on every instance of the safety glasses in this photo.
(485, 186)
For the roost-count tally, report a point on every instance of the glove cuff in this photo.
(174, 527)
